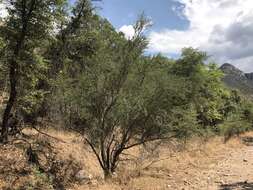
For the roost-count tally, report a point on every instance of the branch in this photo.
(108, 150)
(39, 131)
(102, 149)
(148, 140)
(95, 152)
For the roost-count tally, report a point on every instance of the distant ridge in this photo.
(237, 79)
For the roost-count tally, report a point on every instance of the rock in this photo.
(82, 176)
(245, 160)
(236, 78)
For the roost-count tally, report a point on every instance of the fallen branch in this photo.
(43, 133)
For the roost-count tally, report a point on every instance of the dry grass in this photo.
(169, 167)
(172, 166)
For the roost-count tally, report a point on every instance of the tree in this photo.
(28, 23)
(212, 101)
(123, 98)
(70, 52)
(71, 41)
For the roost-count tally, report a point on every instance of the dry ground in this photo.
(209, 166)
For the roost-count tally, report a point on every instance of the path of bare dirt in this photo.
(234, 171)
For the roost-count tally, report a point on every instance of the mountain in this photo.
(237, 79)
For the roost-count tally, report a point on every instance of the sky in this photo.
(222, 28)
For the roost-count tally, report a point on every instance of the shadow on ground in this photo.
(237, 186)
(247, 141)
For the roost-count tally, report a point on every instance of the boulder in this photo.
(83, 177)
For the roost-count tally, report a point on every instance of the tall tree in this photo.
(28, 22)
(72, 29)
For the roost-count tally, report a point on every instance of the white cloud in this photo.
(223, 28)
(245, 64)
(128, 31)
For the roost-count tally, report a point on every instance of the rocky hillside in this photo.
(235, 78)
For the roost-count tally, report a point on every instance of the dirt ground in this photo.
(213, 166)
(198, 165)
(231, 169)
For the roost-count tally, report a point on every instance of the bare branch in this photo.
(95, 152)
(149, 140)
(39, 131)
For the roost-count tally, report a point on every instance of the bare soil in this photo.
(198, 165)
(232, 169)
(212, 166)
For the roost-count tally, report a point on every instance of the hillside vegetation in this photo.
(65, 68)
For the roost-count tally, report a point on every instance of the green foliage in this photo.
(247, 110)
(33, 90)
(212, 101)
(26, 32)
(234, 127)
(240, 119)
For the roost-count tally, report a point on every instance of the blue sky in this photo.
(222, 28)
(125, 12)
(161, 12)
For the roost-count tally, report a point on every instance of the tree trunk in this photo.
(14, 67)
(108, 174)
(10, 103)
